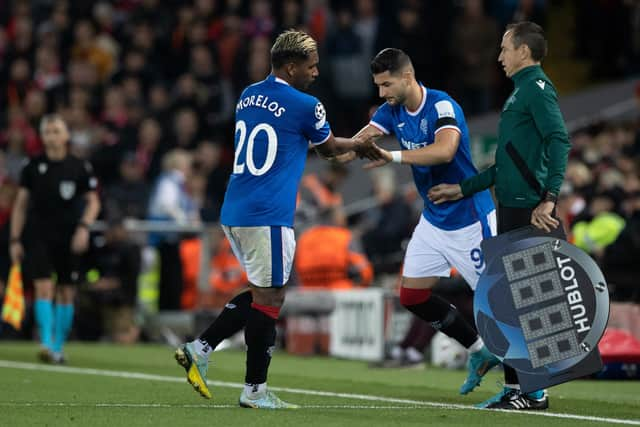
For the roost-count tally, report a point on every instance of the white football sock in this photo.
(255, 390)
(202, 347)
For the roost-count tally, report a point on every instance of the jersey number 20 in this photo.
(272, 148)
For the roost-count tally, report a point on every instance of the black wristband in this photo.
(14, 240)
(550, 197)
(83, 225)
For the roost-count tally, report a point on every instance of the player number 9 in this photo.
(477, 258)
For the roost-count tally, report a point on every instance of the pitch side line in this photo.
(181, 405)
(365, 397)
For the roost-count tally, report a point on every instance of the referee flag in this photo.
(13, 308)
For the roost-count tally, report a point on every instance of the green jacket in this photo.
(532, 121)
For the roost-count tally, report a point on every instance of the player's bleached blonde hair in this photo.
(49, 118)
(292, 46)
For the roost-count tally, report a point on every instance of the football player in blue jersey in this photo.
(434, 140)
(275, 124)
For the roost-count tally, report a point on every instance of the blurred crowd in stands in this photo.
(148, 88)
(600, 202)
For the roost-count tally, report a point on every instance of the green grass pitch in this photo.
(106, 385)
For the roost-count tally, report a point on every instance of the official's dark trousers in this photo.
(510, 219)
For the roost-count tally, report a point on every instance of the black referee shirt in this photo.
(56, 192)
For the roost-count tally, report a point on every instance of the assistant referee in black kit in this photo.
(56, 204)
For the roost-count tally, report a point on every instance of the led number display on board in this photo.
(549, 331)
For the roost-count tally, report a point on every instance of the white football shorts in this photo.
(432, 251)
(265, 252)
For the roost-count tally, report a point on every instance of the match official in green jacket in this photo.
(530, 162)
(533, 144)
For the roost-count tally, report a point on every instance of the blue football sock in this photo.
(64, 321)
(539, 394)
(44, 319)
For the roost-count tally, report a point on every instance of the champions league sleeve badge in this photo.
(541, 306)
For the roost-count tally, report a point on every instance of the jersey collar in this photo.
(424, 100)
(526, 72)
(277, 79)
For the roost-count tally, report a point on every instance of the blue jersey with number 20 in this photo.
(274, 125)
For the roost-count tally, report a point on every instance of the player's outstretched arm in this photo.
(367, 133)
(386, 156)
(362, 144)
(443, 150)
(338, 158)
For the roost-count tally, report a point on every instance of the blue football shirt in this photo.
(416, 129)
(275, 123)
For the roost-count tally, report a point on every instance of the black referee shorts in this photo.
(45, 258)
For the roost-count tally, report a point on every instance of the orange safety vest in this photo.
(226, 273)
(323, 259)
